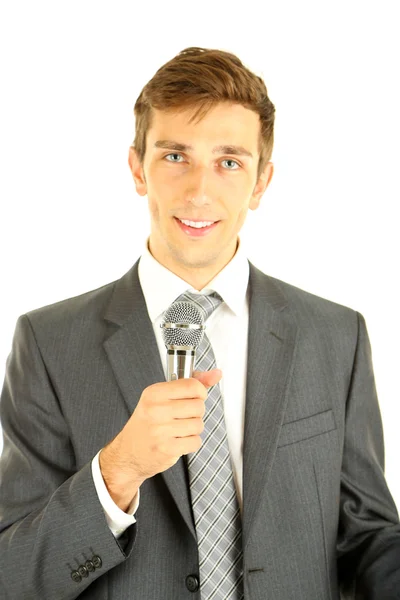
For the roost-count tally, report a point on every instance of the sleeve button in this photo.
(96, 560)
(83, 572)
(89, 565)
(76, 577)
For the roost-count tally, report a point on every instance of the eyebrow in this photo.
(223, 149)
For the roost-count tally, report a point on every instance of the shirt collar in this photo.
(161, 287)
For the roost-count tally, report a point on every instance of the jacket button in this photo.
(89, 565)
(192, 583)
(96, 560)
(83, 572)
(76, 577)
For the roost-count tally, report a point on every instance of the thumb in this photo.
(208, 378)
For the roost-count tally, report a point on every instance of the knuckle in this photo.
(197, 388)
(151, 413)
(157, 434)
(162, 449)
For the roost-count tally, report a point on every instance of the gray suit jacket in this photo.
(318, 520)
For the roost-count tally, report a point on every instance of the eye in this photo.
(232, 161)
(225, 160)
(172, 154)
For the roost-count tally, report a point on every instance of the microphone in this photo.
(182, 331)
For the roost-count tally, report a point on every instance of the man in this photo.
(263, 479)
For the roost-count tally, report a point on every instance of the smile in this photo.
(196, 231)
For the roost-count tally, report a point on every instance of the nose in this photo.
(197, 190)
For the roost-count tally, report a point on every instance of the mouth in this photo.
(196, 231)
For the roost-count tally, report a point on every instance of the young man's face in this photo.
(199, 184)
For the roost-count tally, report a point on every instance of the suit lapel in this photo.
(271, 344)
(134, 357)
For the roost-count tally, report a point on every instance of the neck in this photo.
(197, 278)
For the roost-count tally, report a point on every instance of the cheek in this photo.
(153, 208)
(241, 216)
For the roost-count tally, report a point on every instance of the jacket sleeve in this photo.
(368, 543)
(54, 537)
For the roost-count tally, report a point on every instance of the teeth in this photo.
(197, 224)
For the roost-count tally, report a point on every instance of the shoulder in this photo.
(306, 301)
(72, 316)
(310, 311)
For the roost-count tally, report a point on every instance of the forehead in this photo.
(225, 123)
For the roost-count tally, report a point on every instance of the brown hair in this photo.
(200, 77)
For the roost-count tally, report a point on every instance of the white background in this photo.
(71, 220)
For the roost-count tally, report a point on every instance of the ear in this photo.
(261, 185)
(137, 171)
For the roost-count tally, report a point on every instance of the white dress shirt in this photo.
(227, 329)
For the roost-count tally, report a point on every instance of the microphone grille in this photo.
(183, 312)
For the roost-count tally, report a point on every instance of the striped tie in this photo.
(212, 487)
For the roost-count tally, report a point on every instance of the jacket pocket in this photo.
(306, 428)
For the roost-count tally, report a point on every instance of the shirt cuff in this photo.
(117, 519)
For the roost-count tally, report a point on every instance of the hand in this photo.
(165, 424)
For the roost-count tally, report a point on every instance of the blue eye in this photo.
(231, 160)
(225, 160)
(172, 154)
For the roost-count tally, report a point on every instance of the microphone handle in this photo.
(180, 362)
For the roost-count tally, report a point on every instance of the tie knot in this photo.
(206, 303)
